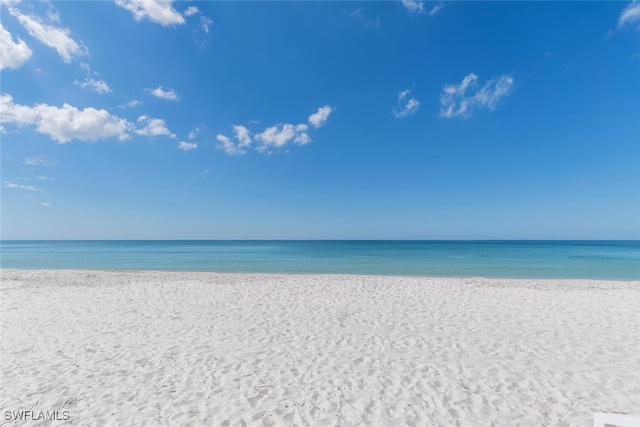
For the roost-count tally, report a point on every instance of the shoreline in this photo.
(174, 348)
(306, 274)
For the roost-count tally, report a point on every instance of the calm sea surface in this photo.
(513, 259)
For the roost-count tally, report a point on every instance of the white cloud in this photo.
(186, 146)
(159, 92)
(38, 161)
(437, 8)
(55, 37)
(227, 145)
(65, 123)
(494, 90)
(407, 108)
(158, 11)
(242, 135)
(302, 139)
(12, 54)
(98, 86)
(15, 113)
(273, 137)
(630, 14)
(318, 118)
(153, 127)
(461, 99)
(278, 137)
(414, 6)
(89, 124)
(192, 10)
(9, 184)
(45, 204)
(45, 178)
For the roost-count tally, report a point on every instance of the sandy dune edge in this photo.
(160, 348)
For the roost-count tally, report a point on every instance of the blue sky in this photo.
(150, 119)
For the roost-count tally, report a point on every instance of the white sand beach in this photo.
(162, 348)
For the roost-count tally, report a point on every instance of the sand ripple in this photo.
(155, 348)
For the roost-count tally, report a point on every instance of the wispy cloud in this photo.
(58, 38)
(205, 23)
(34, 199)
(356, 13)
(65, 123)
(45, 178)
(158, 11)
(131, 104)
(194, 133)
(199, 175)
(153, 127)
(52, 13)
(436, 9)
(318, 118)
(462, 99)
(186, 146)
(191, 10)
(413, 6)
(630, 15)
(159, 92)
(405, 106)
(38, 161)
(9, 184)
(12, 53)
(360, 16)
(98, 86)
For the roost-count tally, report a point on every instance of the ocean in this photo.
(610, 260)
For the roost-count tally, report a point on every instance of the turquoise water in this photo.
(514, 259)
